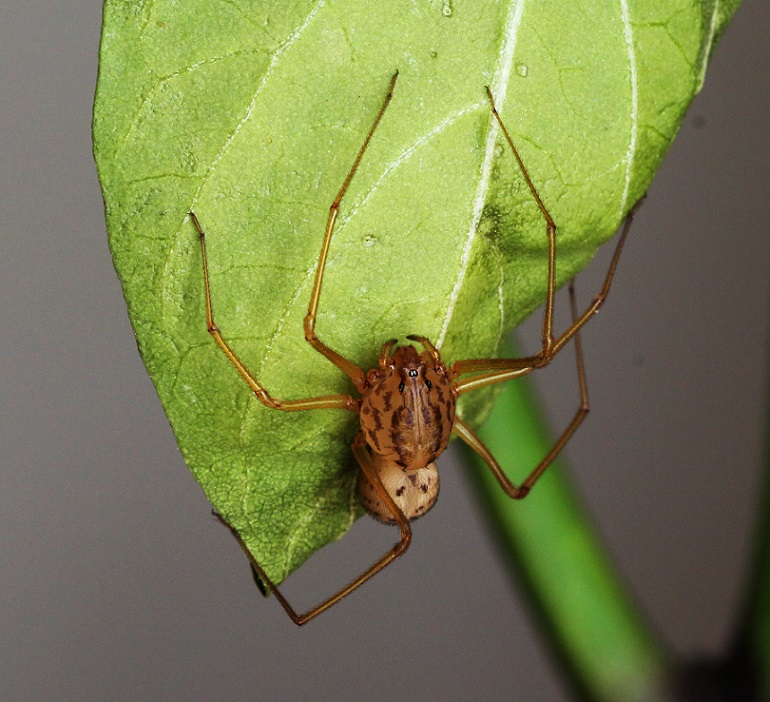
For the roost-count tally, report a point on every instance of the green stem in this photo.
(601, 637)
(753, 637)
(757, 620)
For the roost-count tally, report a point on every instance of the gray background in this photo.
(115, 582)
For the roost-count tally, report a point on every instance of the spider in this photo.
(407, 403)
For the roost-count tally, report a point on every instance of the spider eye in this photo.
(401, 387)
(413, 373)
(429, 384)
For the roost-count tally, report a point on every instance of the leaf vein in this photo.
(405, 155)
(268, 72)
(631, 151)
(706, 51)
(500, 87)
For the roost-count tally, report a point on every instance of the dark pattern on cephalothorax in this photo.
(407, 416)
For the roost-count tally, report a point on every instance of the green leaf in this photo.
(250, 114)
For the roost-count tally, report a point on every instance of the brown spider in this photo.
(407, 403)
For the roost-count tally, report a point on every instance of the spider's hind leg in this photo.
(362, 456)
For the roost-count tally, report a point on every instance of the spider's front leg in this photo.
(503, 369)
(350, 369)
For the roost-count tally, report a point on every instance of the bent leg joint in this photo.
(309, 325)
(543, 358)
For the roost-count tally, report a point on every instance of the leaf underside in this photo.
(251, 113)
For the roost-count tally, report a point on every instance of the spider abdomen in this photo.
(414, 491)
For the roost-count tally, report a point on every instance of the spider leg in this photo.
(362, 456)
(429, 347)
(384, 361)
(507, 368)
(469, 437)
(601, 296)
(324, 402)
(355, 373)
(550, 233)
